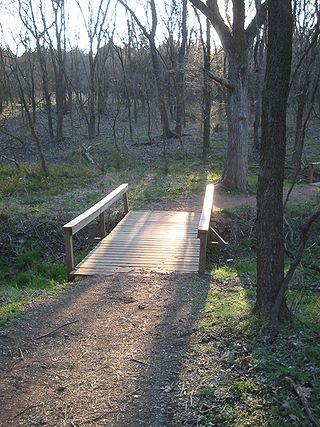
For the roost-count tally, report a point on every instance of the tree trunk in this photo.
(236, 42)
(207, 101)
(270, 239)
(167, 133)
(299, 134)
(180, 75)
(235, 169)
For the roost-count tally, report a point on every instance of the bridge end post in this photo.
(203, 252)
(69, 252)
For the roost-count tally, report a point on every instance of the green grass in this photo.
(24, 279)
(249, 376)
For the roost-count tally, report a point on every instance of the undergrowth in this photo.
(235, 376)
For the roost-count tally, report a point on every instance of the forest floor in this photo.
(140, 350)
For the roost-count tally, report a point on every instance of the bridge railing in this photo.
(98, 210)
(204, 226)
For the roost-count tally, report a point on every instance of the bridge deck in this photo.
(161, 241)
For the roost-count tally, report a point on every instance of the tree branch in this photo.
(304, 234)
(213, 14)
(134, 16)
(221, 80)
(314, 421)
(257, 22)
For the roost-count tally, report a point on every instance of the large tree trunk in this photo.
(236, 164)
(270, 239)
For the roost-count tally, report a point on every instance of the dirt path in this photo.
(300, 193)
(115, 366)
(119, 362)
(225, 200)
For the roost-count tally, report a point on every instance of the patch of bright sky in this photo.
(115, 24)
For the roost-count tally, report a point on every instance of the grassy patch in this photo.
(242, 377)
(25, 278)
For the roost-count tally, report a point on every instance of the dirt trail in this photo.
(300, 193)
(115, 366)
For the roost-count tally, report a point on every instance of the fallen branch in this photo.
(141, 362)
(12, 160)
(24, 410)
(304, 401)
(55, 330)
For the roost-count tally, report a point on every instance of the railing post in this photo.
(125, 203)
(102, 225)
(203, 252)
(69, 252)
(311, 173)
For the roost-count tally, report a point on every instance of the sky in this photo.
(12, 28)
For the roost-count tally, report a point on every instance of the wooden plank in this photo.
(86, 217)
(151, 243)
(141, 265)
(204, 222)
(134, 256)
(143, 260)
(115, 270)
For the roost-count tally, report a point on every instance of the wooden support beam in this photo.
(217, 236)
(312, 168)
(203, 252)
(69, 252)
(102, 225)
(125, 203)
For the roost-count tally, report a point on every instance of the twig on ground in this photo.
(141, 362)
(24, 410)
(21, 354)
(304, 402)
(55, 330)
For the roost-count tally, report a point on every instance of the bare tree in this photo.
(94, 21)
(306, 74)
(57, 46)
(236, 40)
(18, 73)
(150, 36)
(28, 18)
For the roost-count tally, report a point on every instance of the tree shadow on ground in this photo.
(117, 365)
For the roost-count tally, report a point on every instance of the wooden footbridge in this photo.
(160, 241)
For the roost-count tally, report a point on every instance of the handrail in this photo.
(73, 226)
(86, 217)
(204, 226)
